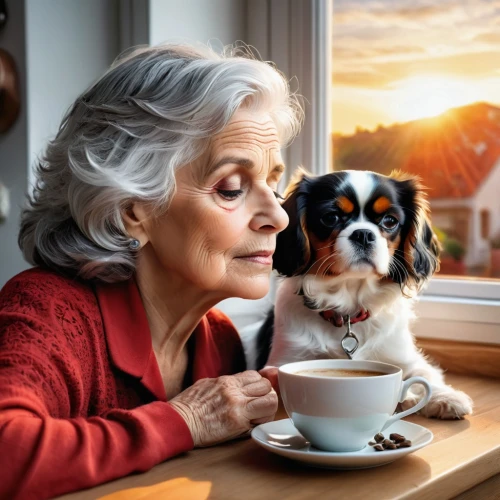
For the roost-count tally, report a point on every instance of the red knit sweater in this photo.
(82, 400)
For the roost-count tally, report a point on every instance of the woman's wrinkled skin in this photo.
(226, 407)
(203, 250)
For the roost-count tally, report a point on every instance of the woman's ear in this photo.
(135, 219)
(293, 251)
(419, 248)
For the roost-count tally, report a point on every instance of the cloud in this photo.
(375, 55)
(473, 65)
(490, 38)
(398, 49)
(368, 79)
(349, 51)
(413, 14)
(386, 13)
(422, 11)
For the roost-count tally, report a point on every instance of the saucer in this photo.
(281, 437)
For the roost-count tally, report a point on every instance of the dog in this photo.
(359, 244)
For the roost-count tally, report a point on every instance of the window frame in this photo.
(466, 310)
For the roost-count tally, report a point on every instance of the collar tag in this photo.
(349, 341)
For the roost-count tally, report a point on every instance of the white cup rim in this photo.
(290, 369)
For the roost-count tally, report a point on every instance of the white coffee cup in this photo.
(343, 414)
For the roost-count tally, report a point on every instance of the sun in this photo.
(430, 95)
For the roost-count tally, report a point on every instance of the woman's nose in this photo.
(271, 217)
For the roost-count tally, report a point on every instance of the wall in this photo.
(199, 20)
(487, 199)
(61, 46)
(13, 151)
(69, 44)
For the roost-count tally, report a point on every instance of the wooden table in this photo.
(464, 454)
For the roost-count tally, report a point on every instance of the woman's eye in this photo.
(230, 194)
(279, 196)
(389, 222)
(330, 219)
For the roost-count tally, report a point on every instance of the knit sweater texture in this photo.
(82, 400)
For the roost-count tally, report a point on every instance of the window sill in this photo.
(464, 319)
(467, 358)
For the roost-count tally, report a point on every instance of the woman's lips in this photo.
(263, 258)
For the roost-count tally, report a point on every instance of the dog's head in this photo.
(358, 223)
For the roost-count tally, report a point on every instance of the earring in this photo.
(134, 244)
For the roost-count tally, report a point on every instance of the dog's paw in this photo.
(447, 404)
(410, 401)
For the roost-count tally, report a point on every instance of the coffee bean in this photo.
(404, 444)
(388, 445)
(380, 443)
(397, 438)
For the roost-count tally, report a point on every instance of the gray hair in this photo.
(153, 111)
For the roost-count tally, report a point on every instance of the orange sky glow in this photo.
(399, 60)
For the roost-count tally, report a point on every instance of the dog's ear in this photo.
(293, 251)
(419, 247)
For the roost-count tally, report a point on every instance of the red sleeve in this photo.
(42, 456)
(228, 342)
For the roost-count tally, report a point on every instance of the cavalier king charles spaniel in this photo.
(358, 244)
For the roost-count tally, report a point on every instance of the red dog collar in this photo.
(337, 319)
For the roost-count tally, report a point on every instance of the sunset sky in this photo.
(399, 60)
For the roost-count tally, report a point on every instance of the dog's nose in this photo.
(363, 237)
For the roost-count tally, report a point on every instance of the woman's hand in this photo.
(271, 373)
(219, 409)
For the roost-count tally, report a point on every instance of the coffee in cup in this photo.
(330, 372)
(339, 405)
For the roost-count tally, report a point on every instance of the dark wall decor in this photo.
(9, 82)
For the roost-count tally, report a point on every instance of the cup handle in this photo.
(404, 389)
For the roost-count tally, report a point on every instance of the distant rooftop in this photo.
(453, 153)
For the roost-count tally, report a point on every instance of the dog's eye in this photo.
(330, 219)
(389, 222)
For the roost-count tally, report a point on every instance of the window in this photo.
(416, 87)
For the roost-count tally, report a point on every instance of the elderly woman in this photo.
(155, 201)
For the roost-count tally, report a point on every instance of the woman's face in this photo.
(220, 230)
